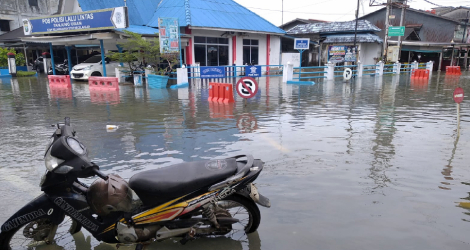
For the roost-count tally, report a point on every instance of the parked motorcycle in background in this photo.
(187, 200)
(60, 69)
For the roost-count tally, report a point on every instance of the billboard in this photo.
(169, 35)
(113, 18)
(342, 53)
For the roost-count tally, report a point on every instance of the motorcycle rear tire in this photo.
(251, 208)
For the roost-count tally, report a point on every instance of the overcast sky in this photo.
(328, 10)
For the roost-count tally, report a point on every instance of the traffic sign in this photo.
(301, 43)
(458, 95)
(396, 31)
(247, 87)
(347, 74)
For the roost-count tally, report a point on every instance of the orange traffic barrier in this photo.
(221, 92)
(228, 88)
(104, 83)
(59, 81)
(453, 70)
(420, 74)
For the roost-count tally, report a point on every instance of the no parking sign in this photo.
(247, 87)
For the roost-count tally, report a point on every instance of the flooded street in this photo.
(377, 163)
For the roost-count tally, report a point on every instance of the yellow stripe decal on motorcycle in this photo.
(157, 209)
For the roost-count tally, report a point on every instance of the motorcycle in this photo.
(60, 69)
(188, 200)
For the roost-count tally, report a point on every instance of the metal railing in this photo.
(313, 72)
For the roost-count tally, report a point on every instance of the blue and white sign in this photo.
(113, 18)
(213, 72)
(302, 43)
(253, 71)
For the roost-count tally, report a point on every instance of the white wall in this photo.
(262, 38)
(262, 47)
(369, 51)
(274, 56)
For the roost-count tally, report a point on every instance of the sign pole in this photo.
(301, 51)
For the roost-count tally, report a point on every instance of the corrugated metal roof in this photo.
(143, 30)
(349, 38)
(140, 11)
(333, 27)
(224, 14)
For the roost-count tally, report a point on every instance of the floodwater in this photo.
(376, 163)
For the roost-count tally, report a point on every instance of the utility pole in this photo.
(282, 12)
(389, 2)
(402, 17)
(355, 30)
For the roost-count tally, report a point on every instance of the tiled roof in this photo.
(223, 14)
(349, 38)
(333, 27)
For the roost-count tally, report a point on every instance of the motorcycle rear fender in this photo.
(40, 207)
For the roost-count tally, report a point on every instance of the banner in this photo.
(213, 72)
(169, 35)
(113, 18)
(342, 53)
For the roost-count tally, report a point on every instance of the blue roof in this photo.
(224, 14)
(143, 30)
(140, 11)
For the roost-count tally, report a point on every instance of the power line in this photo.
(300, 12)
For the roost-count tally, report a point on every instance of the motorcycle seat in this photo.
(161, 185)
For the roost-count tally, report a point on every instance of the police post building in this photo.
(212, 33)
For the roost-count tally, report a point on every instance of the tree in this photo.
(20, 60)
(141, 51)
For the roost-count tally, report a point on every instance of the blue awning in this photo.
(139, 29)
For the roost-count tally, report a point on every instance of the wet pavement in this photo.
(376, 163)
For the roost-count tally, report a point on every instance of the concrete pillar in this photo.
(414, 65)
(11, 64)
(380, 68)
(46, 61)
(331, 71)
(429, 66)
(360, 69)
(182, 77)
(288, 72)
(396, 69)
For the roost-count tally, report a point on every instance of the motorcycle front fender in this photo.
(41, 207)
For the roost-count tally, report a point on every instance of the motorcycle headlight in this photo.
(51, 161)
(75, 145)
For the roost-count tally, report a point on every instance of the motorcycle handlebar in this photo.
(98, 173)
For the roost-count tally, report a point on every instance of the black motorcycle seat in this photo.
(164, 184)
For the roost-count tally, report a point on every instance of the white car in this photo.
(93, 67)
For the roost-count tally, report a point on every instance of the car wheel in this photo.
(96, 73)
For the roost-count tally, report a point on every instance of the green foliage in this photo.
(25, 73)
(20, 60)
(138, 50)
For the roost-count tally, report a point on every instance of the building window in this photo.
(33, 3)
(250, 51)
(4, 25)
(211, 51)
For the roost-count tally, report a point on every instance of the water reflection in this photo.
(324, 146)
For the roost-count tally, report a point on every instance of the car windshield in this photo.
(93, 59)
